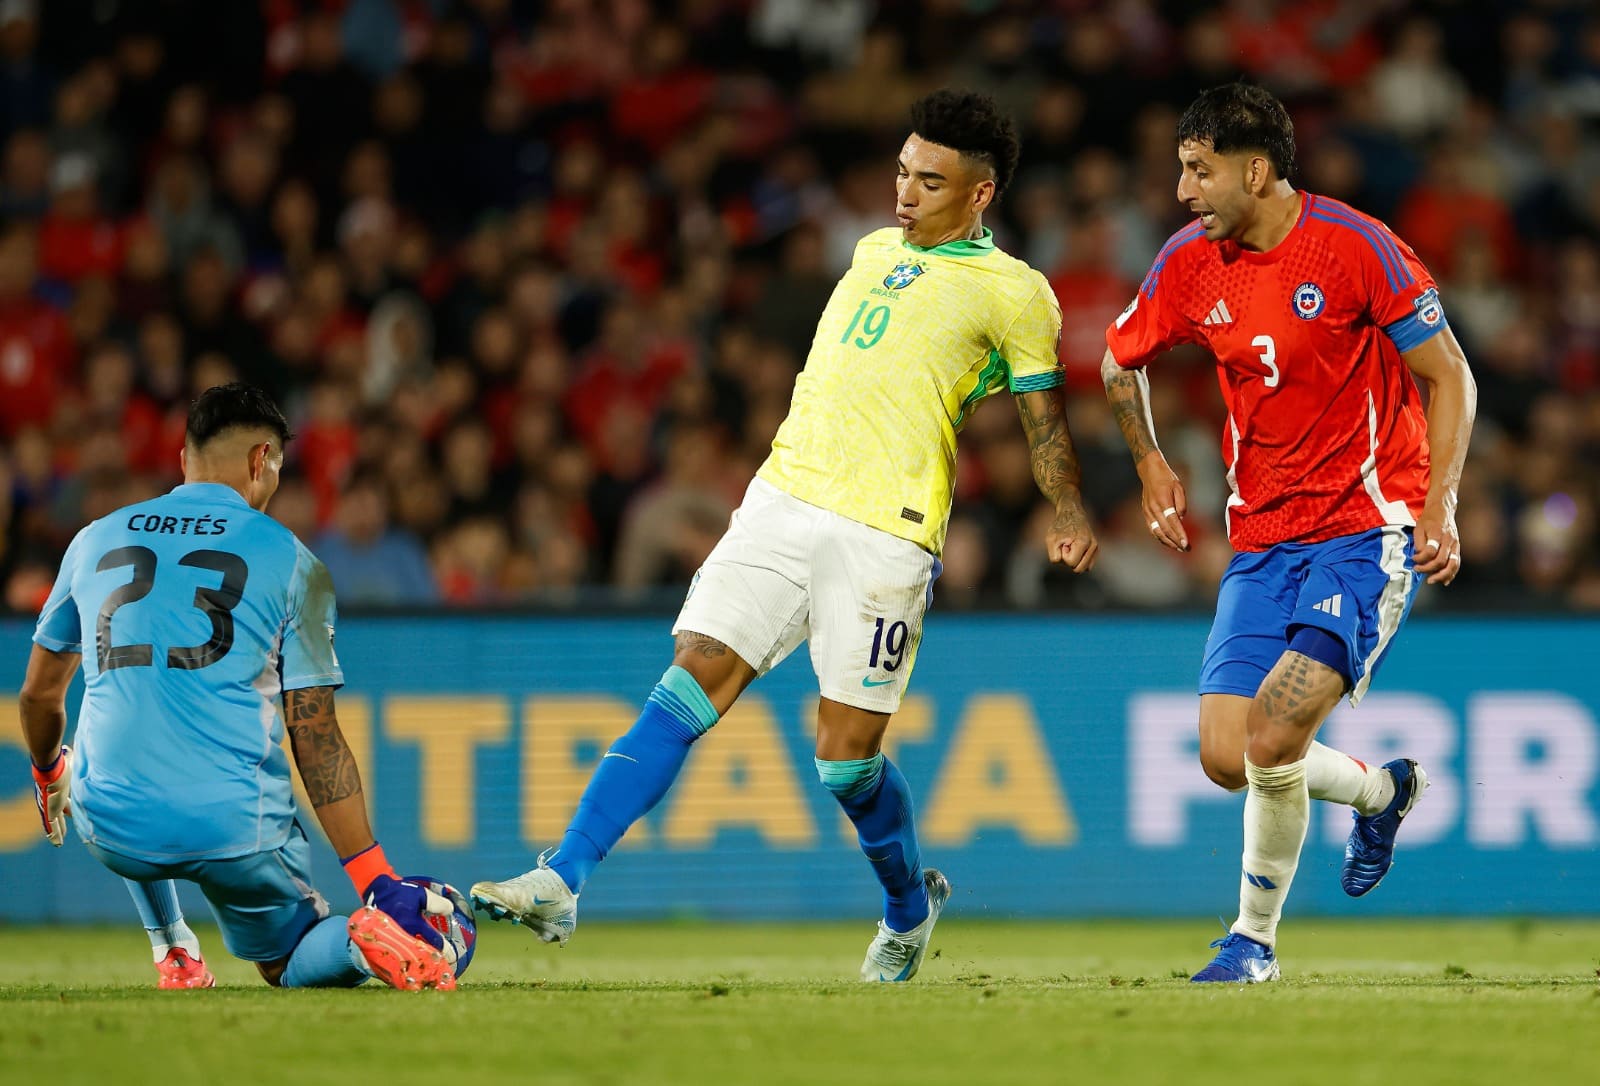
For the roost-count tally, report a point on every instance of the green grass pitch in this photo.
(1515, 1003)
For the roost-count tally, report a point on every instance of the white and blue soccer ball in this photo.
(458, 928)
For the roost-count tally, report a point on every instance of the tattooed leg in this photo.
(1291, 705)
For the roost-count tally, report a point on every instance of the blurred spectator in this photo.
(25, 176)
(791, 300)
(75, 239)
(1092, 292)
(180, 206)
(1137, 570)
(371, 561)
(1482, 304)
(1444, 204)
(295, 507)
(36, 352)
(25, 83)
(828, 31)
(472, 562)
(327, 95)
(1417, 92)
(671, 527)
(80, 131)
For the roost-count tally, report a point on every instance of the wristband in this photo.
(51, 773)
(367, 865)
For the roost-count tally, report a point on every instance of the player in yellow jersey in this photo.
(838, 537)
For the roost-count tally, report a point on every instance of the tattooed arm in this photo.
(1070, 538)
(333, 783)
(1165, 503)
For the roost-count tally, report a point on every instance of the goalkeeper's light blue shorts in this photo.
(1357, 589)
(263, 902)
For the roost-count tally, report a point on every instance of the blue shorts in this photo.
(263, 902)
(1356, 588)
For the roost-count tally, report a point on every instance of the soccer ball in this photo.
(459, 930)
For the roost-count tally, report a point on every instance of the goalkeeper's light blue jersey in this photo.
(193, 613)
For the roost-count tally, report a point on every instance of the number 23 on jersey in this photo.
(217, 604)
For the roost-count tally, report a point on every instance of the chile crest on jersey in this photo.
(1309, 301)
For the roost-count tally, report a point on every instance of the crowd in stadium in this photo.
(533, 279)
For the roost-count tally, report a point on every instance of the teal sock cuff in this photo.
(687, 690)
(852, 777)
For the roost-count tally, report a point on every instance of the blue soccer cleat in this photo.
(1241, 960)
(1370, 849)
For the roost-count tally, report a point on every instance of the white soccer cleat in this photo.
(538, 899)
(896, 956)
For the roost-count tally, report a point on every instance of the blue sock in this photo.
(162, 917)
(157, 903)
(324, 958)
(877, 799)
(634, 774)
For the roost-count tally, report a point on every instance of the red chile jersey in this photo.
(1325, 434)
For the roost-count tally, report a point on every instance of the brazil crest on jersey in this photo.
(193, 613)
(910, 341)
(1325, 434)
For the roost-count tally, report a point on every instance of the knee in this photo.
(682, 698)
(1272, 740)
(717, 670)
(852, 779)
(1225, 773)
(272, 972)
(1273, 750)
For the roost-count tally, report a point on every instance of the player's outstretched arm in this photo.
(1165, 504)
(1441, 365)
(333, 784)
(42, 704)
(1070, 539)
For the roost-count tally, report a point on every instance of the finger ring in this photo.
(1168, 511)
(1155, 527)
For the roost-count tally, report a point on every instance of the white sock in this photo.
(179, 935)
(358, 959)
(1334, 776)
(1277, 811)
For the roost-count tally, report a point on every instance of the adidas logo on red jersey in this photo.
(1219, 314)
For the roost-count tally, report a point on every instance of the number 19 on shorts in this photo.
(888, 644)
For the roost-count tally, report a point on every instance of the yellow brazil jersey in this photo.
(910, 341)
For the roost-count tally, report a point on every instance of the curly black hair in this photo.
(1241, 117)
(973, 124)
(227, 407)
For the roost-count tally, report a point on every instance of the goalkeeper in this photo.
(201, 613)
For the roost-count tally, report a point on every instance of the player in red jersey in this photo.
(1343, 484)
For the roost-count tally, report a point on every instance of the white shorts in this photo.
(786, 571)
